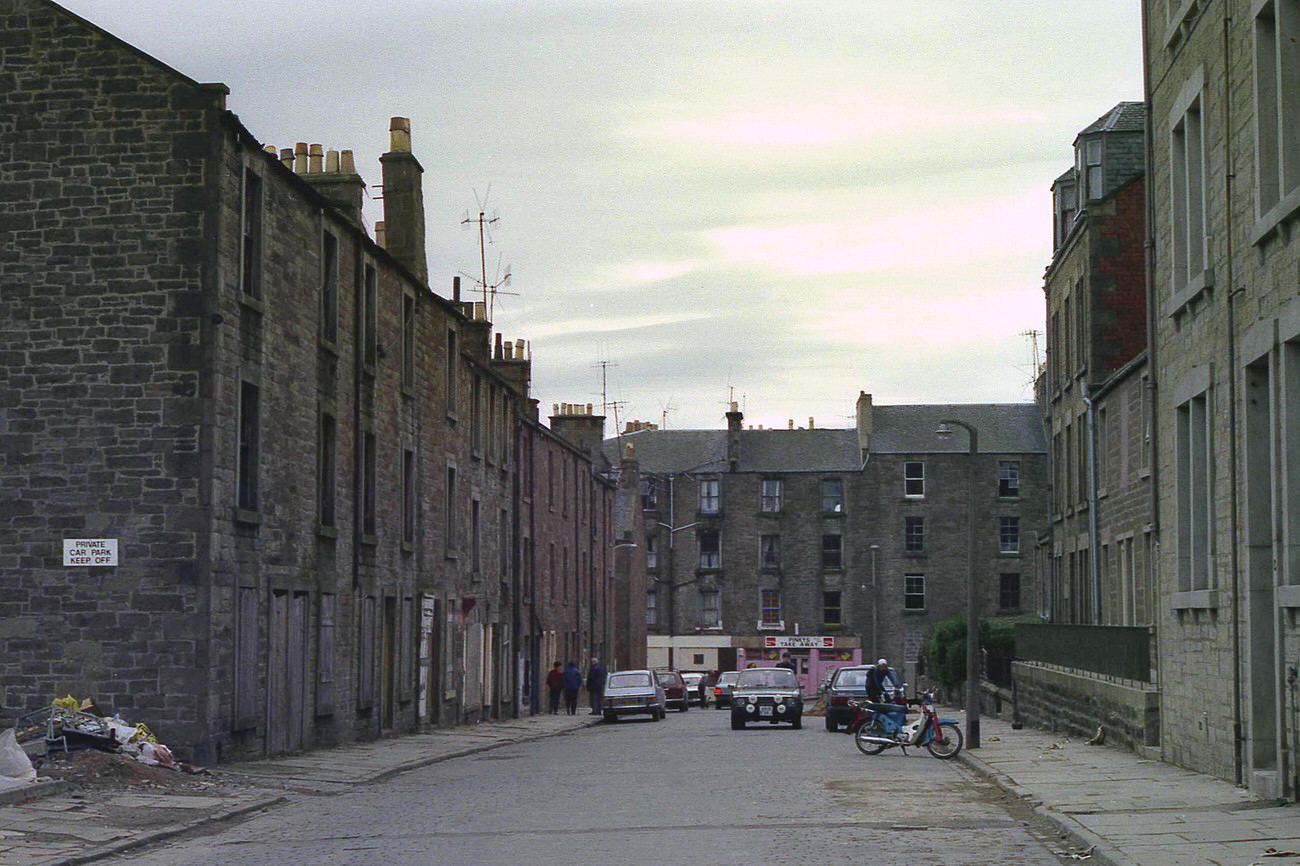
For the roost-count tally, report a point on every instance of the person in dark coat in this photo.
(596, 686)
(555, 685)
(572, 684)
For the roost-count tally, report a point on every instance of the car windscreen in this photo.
(766, 678)
(727, 678)
(627, 681)
(850, 679)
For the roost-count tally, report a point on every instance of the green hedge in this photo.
(946, 647)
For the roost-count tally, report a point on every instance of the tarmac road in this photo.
(684, 790)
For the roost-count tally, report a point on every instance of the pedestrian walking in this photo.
(596, 686)
(555, 685)
(572, 684)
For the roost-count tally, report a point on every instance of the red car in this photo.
(676, 695)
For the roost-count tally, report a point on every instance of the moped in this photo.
(880, 726)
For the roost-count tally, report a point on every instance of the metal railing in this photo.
(1112, 650)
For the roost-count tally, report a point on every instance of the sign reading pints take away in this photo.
(798, 642)
(90, 551)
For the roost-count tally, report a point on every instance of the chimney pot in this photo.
(381, 233)
(346, 162)
(315, 156)
(286, 157)
(399, 135)
(332, 161)
(300, 157)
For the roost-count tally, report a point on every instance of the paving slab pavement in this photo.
(1132, 810)
(55, 825)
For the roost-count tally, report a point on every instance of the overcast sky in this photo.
(787, 201)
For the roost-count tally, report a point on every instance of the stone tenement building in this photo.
(1097, 397)
(835, 544)
(1096, 385)
(1224, 190)
(263, 489)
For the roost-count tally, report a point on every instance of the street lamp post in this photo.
(972, 589)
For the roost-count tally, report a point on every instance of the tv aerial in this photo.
(485, 223)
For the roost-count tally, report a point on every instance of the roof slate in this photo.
(1003, 428)
(1125, 117)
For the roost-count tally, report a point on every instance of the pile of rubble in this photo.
(68, 728)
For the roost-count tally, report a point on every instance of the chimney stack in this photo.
(864, 422)
(734, 419)
(404, 200)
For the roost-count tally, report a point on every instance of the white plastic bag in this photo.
(15, 767)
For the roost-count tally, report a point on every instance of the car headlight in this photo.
(780, 708)
(749, 708)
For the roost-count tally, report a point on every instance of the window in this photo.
(246, 492)
(710, 613)
(408, 341)
(1088, 165)
(771, 495)
(1277, 111)
(452, 358)
(710, 550)
(449, 516)
(651, 607)
(832, 614)
(1008, 591)
(914, 479)
(914, 592)
(832, 552)
(1009, 534)
(476, 414)
(408, 496)
(1009, 478)
(769, 547)
(329, 288)
(1195, 493)
(475, 539)
(1064, 201)
(914, 534)
(1187, 195)
(326, 464)
(769, 607)
(709, 498)
(651, 554)
(368, 483)
(250, 274)
(832, 496)
(649, 494)
(370, 317)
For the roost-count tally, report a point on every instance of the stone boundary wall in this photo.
(1077, 703)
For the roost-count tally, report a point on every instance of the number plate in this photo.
(625, 702)
(765, 711)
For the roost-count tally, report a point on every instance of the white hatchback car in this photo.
(630, 693)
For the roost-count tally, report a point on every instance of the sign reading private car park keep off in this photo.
(90, 551)
(797, 642)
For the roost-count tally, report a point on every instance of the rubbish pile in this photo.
(68, 725)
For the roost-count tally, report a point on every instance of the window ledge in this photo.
(369, 539)
(832, 515)
(245, 515)
(1197, 599)
(1271, 221)
(908, 610)
(327, 531)
(253, 303)
(771, 626)
(328, 345)
(1288, 596)
(1180, 299)
(408, 547)
(914, 554)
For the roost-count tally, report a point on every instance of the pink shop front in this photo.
(814, 655)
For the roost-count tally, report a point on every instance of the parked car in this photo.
(697, 685)
(635, 692)
(847, 684)
(722, 688)
(766, 695)
(675, 693)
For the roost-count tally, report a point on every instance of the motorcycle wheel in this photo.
(951, 743)
(866, 747)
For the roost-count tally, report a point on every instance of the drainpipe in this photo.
(1094, 567)
(1238, 734)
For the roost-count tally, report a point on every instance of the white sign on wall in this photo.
(90, 551)
(798, 642)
